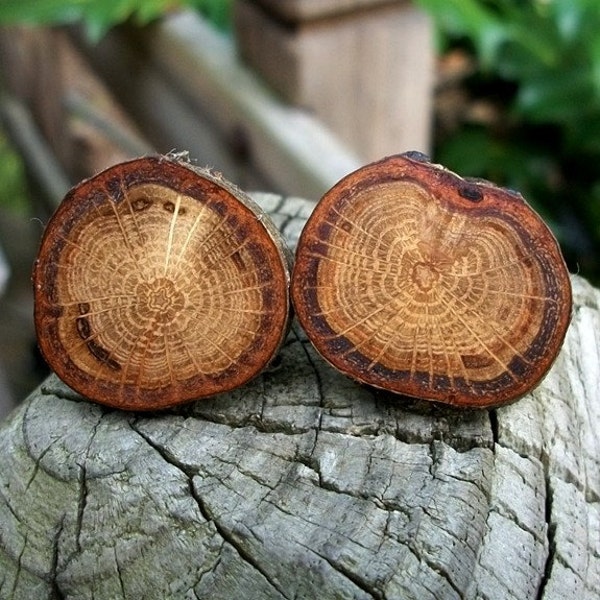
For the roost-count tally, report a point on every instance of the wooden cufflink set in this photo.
(158, 283)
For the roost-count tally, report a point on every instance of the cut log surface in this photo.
(302, 484)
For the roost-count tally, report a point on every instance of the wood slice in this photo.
(157, 283)
(303, 484)
(414, 280)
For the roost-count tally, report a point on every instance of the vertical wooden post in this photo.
(365, 67)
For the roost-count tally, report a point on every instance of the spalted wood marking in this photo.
(303, 484)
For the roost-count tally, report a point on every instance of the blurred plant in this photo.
(539, 72)
(99, 15)
(14, 194)
(217, 11)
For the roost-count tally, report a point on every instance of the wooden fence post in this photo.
(364, 67)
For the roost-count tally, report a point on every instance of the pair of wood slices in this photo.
(158, 283)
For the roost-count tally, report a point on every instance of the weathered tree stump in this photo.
(303, 484)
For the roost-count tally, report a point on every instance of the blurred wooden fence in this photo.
(303, 93)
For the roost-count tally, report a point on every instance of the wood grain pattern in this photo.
(412, 279)
(156, 284)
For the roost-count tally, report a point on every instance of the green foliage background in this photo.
(14, 195)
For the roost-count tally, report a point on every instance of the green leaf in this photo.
(217, 11)
(41, 11)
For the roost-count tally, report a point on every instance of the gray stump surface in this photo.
(303, 484)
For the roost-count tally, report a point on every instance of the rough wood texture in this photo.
(304, 485)
(364, 68)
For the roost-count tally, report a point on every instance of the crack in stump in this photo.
(206, 513)
(56, 591)
(353, 578)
